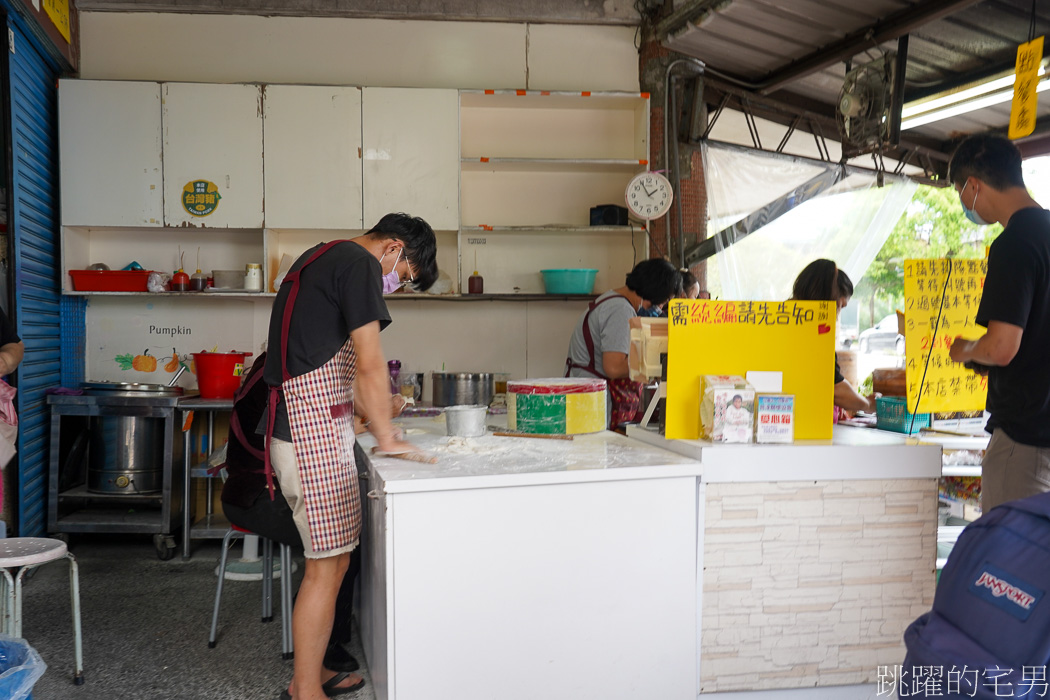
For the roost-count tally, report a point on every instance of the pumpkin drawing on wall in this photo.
(144, 362)
(173, 363)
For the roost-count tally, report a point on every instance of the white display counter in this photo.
(522, 568)
(815, 557)
(611, 567)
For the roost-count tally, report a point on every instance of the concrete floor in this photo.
(146, 625)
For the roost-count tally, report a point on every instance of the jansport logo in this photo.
(1000, 588)
(1005, 591)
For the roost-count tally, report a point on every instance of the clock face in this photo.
(649, 195)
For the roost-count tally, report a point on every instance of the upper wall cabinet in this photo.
(213, 154)
(110, 136)
(410, 143)
(312, 156)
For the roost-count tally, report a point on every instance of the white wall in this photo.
(524, 339)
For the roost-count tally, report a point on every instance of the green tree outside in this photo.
(933, 226)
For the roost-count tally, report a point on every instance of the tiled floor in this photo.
(146, 626)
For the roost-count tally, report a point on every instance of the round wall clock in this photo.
(649, 195)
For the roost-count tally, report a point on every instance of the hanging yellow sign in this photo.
(58, 11)
(940, 300)
(1026, 80)
(796, 338)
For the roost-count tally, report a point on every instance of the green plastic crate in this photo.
(891, 413)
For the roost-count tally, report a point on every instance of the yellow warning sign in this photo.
(1026, 80)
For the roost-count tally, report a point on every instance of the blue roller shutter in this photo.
(34, 226)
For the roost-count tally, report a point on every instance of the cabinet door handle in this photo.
(376, 494)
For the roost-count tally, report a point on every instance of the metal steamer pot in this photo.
(463, 388)
(126, 452)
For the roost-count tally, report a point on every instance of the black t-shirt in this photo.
(339, 292)
(1017, 291)
(8, 334)
(838, 373)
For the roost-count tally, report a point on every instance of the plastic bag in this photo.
(20, 668)
(157, 281)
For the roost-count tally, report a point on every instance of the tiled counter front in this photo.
(812, 583)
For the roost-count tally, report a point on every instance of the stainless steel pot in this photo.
(462, 388)
(126, 452)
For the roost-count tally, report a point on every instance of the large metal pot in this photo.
(462, 388)
(126, 453)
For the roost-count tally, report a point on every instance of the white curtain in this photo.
(847, 223)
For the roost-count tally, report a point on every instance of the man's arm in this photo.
(614, 365)
(10, 357)
(847, 397)
(996, 348)
(373, 385)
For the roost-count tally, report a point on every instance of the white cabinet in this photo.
(410, 142)
(213, 135)
(312, 156)
(110, 139)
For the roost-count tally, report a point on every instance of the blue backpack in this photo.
(988, 635)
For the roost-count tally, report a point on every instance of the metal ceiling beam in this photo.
(891, 28)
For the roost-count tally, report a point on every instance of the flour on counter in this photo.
(471, 446)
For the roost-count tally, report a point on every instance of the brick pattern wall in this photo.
(813, 583)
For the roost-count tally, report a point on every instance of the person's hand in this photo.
(961, 350)
(977, 367)
(871, 401)
(394, 444)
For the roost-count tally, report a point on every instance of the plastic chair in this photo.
(26, 553)
(287, 651)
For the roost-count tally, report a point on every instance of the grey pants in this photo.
(1011, 470)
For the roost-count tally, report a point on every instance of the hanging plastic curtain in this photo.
(773, 214)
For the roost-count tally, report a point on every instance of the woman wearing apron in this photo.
(324, 334)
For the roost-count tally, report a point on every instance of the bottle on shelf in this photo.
(476, 283)
(198, 281)
(253, 277)
(395, 376)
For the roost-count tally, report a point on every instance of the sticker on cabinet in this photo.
(200, 197)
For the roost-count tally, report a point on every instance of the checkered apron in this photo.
(321, 418)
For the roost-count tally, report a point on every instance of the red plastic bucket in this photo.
(219, 373)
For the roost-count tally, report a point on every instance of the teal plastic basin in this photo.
(569, 281)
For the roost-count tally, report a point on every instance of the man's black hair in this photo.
(992, 159)
(420, 245)
(654, 280)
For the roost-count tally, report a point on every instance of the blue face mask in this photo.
(970, 212)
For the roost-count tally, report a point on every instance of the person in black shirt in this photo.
(247, 503)
(12, 349)
(324, 362)
(1015, 308)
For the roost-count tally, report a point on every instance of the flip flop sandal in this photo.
(331, 690)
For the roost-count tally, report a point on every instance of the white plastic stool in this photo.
(287, 650)
(27, 553)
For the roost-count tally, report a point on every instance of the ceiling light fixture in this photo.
(992, 92)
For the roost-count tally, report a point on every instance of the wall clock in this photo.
(649, 195)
